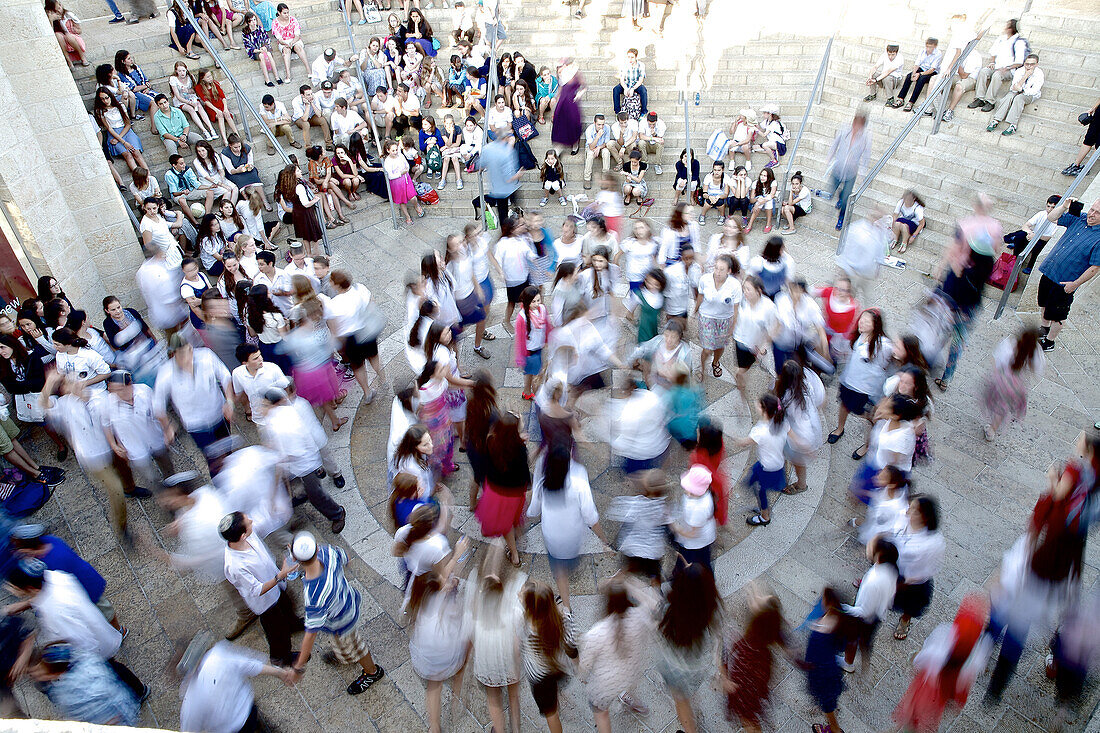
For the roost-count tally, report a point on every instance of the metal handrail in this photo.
(243, 99)
(370, 112)
(1021, 258)
(918, 113)
(490, 83)
(819, 84)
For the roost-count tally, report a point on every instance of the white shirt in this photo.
(592, 353)
(681, 284)
(913, 213)
(1006, 51)
(65, 613)
(639, 258)
(1041, 226)
(322, 70)
(885, 442)
(425, 553)
(249, 570)
(627, 131)
(566, 514)
(639, 425)
(698, 512)
(162, 238)
(461, 270)
(797, 323)
(344, 124)
(81, 425)
(479, 256)
(499, 118)
(648, 131)
(568, 251)
(875, 593)
(201, 547)
(515, 257)
(754, 323)
(254, 385)
(343, 311)
(218, 697)
(249, 481)
(300, 108)
(84, 364)
(400, 422)
(197, 396)
(718, 302)
(286, 433)
(1034, 84)
(864, 374)
(277, 113)
(160, 287)
(134, 426)
(769, 444)
(920, 554)
(886, 67)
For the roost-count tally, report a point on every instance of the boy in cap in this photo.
(84, 688)
(332, 607)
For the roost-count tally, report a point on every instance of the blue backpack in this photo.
(20, 495)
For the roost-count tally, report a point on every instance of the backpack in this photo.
(434, 159)
(1002, 271)
(1027, 46)
(21, 496)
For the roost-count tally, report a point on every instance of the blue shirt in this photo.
(501, 163)
(1075, 252)
(178, 182)
(62, 557)
(91, 692)
(331, 604)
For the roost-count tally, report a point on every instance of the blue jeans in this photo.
(1015, 636)
(842, 189)
(617, 97)
(114, 8)
(958, 340)
(203, 438)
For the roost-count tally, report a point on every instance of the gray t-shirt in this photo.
(501, 163)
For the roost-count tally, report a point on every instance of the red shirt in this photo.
(839, 320)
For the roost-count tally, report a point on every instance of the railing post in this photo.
(815, 93)
(370, 112)
(489, 84)
(1022, 257)
(918, 112)
(243, 99)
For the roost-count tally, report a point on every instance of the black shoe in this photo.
(139, 492)
(975, 104)
(1046, 344)
(363, 681)
(51, 475)
(987, 107)
(298, 500)
(321, 472)
(338, 481)
(1071, 170)
(338, 524)
(117, 19)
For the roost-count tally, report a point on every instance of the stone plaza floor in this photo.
(986, 491)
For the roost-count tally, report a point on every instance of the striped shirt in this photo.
(536, 665)
(92, 693)
(331, 604)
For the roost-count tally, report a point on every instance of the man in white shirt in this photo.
(651, 140)
(596, 138)
(65, 613)
(287, 435)
(327, 100)
(217, 687)
(683, 275)
(1007, 55)
(624, 137)
(966, 77)
(384, 109)
(254, 377)
(886, 73)
(200, 389)
(131, 427)
(345, 122)
(250, 567)
(407, 111)
(326, 66)
(266, 271)
(160, 287)
(306, 113)
(278, 120)
(1027, 87)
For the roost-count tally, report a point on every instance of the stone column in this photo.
(54, 180)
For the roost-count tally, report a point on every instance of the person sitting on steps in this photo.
(927, 66)
(1027, 87)
(1006, 55)
(887, 73)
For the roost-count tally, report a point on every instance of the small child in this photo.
(609, 203)
(769, 436)
(710, 451)
(644, 517)
(532, 329)
(694, 529)
(409, 150)
(650, 301)
(1037, 227)
(680, 182)
(552, 175)
(433, 157)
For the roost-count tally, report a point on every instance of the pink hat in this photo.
(696, 481)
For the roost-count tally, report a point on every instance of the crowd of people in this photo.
(250, 361)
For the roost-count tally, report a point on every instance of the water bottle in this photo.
(297, 573)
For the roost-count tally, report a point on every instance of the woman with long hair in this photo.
(49, 289)
(865, 372)
(115, 123)
(23, 375)
(436, 415)
(211, 175)
(136, 348)
(481, 413)
(756, 319)
(1018, 363)
(437, 346)
(507, 479)
(746, 669)
(614, 651)
(549, 643)
(77, 322)
(802, 395)
(292, 189)
(498, 624)
(716, 308)
(764, 199)
(67, 31)
(773, 266)
(309, 346)
(402, 417)
(78, 363)
(532, 331)
(212, 97)
(414, 455)
(267, 323)
(466, 290)
(182, 84)
(678, 232)
(824, 677)
(373, 175)
(211, 243)
(439, 287)
(686, 644)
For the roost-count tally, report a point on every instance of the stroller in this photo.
(933, 323)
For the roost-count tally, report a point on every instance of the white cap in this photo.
(304, 546)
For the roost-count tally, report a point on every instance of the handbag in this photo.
(27, 408)
(435, 43)
(471, 166)
(426, 194)
(372, 13)
(1085, 118)
(632, 105)
(523, 128)
(1002, 270)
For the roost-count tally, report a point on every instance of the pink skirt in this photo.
(319, 385)
(402, 189)
(498, 514)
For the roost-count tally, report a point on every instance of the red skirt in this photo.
(319, 385)
(498, 513)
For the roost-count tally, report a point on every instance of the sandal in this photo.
(834, 438)
(488, 337)
(342, 421)
(902, 632)
(941, 384)
(902, 247)
(757, 520)
(716, 369)
(821, 728)
(515, 563)
(794, 488)
(341, 396)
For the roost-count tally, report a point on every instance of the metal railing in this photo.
(815, 95)
(369, 110)
(490, 84)
(918, 113)
(1022, 257)
(246, 104)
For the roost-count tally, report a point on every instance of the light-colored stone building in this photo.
(60, 211)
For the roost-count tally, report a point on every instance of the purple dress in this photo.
(567, 129)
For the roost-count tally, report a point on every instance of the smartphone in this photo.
(1076, 208)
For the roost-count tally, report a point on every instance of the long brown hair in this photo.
(542, 613)
(878, 332)
(1026, 343)
(405, 486)
(481, 410)
(286, 183)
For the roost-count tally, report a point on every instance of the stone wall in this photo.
(53, 176)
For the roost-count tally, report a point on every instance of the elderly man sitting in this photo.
(1027, 87)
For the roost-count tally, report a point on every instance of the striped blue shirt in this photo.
(1077, 250)
(331, 604)
(91, 692)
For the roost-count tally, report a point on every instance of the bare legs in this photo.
(496, 707)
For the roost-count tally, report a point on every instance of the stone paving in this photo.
(985, 492)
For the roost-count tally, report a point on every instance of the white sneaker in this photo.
(543, 202)
(442, 185)
(561, 200)
(987, 430)
(658, 169)
(459, 187)
(748, 165)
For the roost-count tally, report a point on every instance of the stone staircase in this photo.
(735, 70)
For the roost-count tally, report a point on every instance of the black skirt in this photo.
(306, 225)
